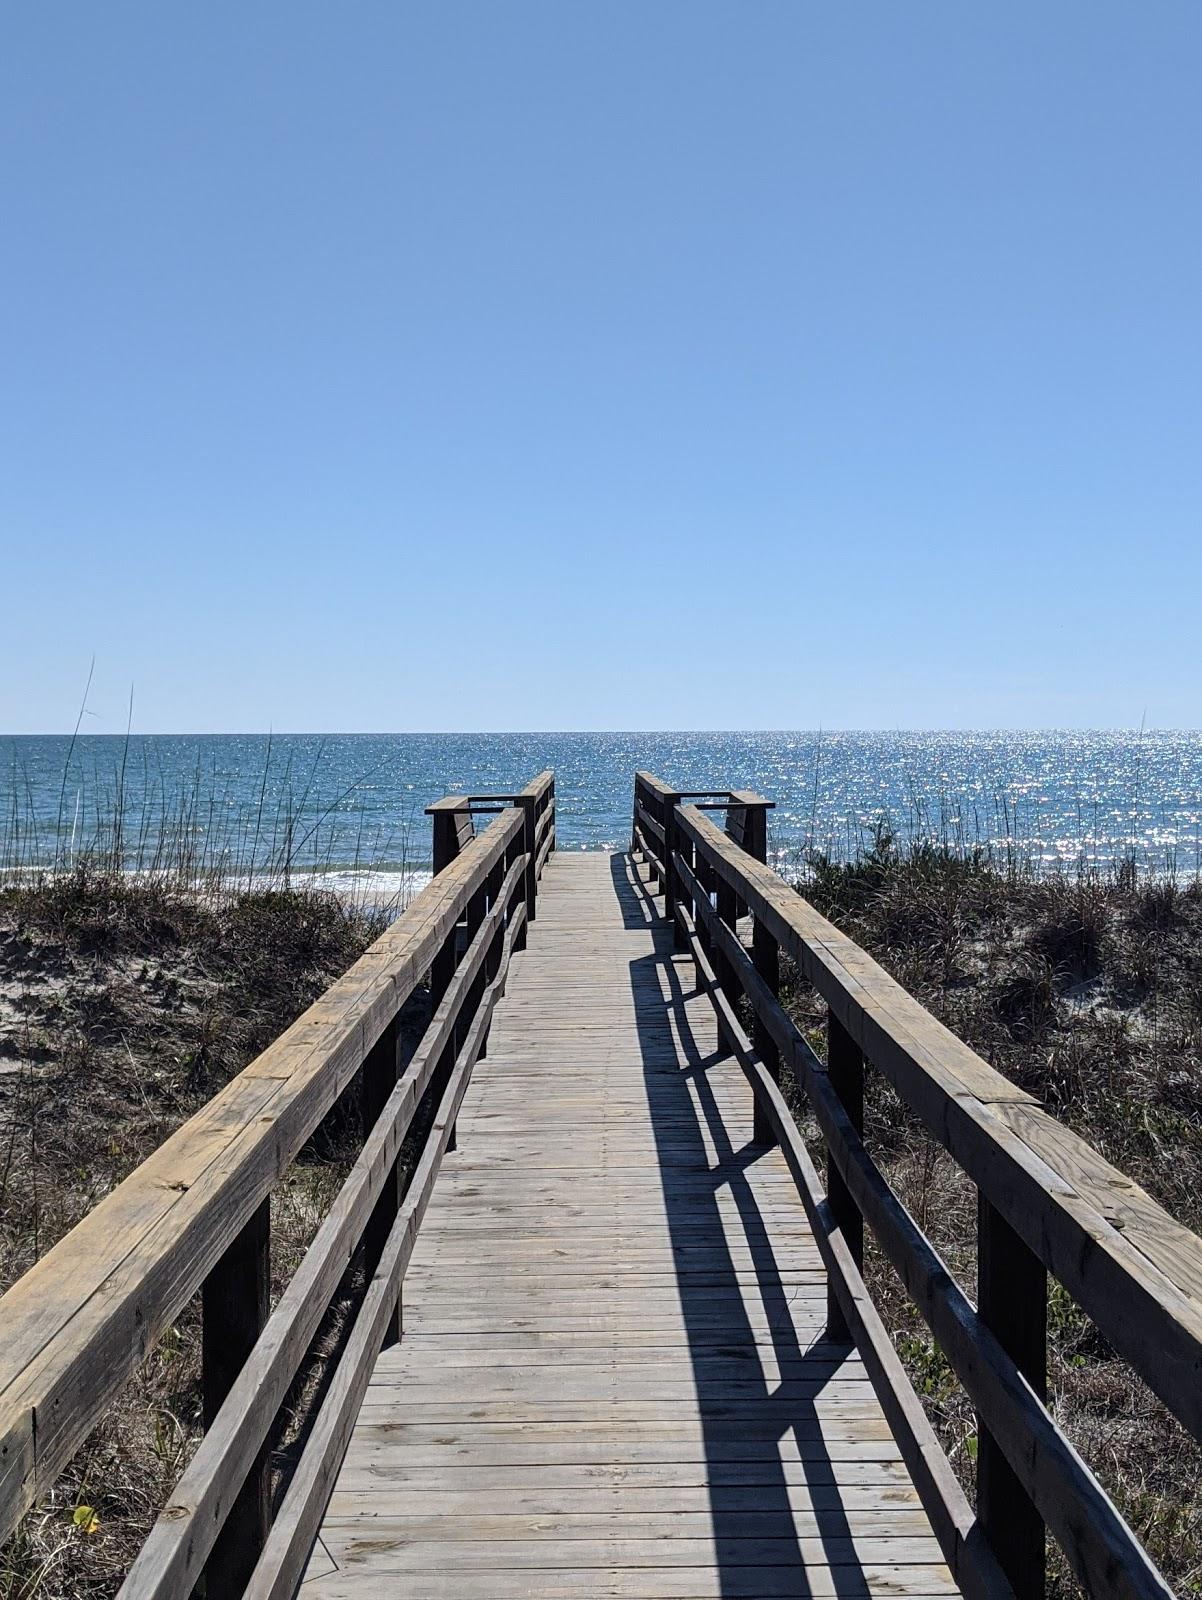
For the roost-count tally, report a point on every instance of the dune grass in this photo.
(125, 1003)
(129, 993)
(1085, 988)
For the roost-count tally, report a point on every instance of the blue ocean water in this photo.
(352, 805)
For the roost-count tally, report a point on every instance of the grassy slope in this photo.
(1088, 993)
(123, 1007)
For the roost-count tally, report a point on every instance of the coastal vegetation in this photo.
(126, 1001)
(128, 998)
(1085, 988)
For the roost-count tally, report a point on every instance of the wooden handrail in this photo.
(194, 1217)
(974, 1564)
(77, 1325)
(1049, 1202)
(1068, 1495)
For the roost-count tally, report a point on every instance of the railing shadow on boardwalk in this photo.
(747, 1490)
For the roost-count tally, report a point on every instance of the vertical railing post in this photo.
(381, 1070)
(234, 1306)
(530, 821)
(845, 1072)
(448, 817)
(451, 820)
(747, 825)
(1012, 1301)
(452, 823)
(514, 851)
(753, 832)
(692, 858)
(476, 907)
(765, 952)
(492, 961)
(670, 802)
(728, 914)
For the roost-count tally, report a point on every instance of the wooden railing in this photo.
(195, 1218)
(1047, 1203)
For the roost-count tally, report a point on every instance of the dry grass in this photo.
(1086, 991)
(124, 1005)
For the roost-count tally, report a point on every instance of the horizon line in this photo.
(561, 733)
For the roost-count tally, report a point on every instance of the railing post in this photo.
(234, 1306)
(670, 803)
(747, 825)
(530, 821)
(447, 816)
(492, 961)
(728, 913)
(380, 1072)
(1012, 1301)
(747, 822)
(765, 952)
(476, 907)
(448, 820)
(845, 1072)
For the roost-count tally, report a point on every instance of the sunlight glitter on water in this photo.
(355, 803)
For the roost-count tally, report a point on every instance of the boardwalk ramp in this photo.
(588, 1314)
(613, 1378)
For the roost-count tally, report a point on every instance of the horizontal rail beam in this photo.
(1105, 1553)
(1136, 1272)
(282, 1563)
(952, 1519)
(649, 825)
(75, 1327)
(171, 1560)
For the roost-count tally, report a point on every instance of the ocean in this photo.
(350, 807)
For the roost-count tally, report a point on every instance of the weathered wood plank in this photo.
(1123, 1259)
(710, 1582)
(613, 1364)
(1023, 1442)
(73, 1329)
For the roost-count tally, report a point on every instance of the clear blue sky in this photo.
(581, 365)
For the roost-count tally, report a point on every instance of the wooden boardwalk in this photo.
(612, 1379)
(625, 1367)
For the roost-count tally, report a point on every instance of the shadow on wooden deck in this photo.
(689, 1133)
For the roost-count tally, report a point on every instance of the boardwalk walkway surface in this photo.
(612, 1380)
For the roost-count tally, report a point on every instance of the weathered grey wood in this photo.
(766, 960)
(1135, 1271)
(536, 802)
(1099, 1545)
(1012, 1301)
(544, 851)
(608, 1287)
(170, 1560)
(453, 828)
(530, 832)
(235, 1301)
(78, 1323)
(282, 1562)
(970, 1558)
(648, 823)
(747, 822)
(708, 1582)
(618, 1279)
(380, 1072)
(845, 1074)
